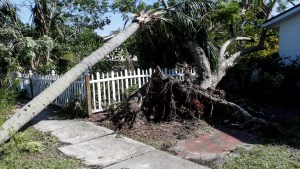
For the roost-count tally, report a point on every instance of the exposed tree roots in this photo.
(166, 99)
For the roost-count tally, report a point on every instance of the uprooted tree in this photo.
(165, 98)
(159, 99)
(168, 99)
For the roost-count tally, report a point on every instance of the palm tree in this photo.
(36, 105)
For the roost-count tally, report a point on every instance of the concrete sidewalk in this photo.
(100, 147)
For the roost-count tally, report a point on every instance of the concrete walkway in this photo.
(100, 147)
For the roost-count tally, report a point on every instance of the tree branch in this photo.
(291, 2)
(165, 4)
(227, 43)
(217, 77)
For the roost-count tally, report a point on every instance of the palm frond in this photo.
(212, 54)
(188, 15)
(194, 8)
(184, 23)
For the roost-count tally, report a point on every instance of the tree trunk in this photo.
(207, 78)
(128, 63)
(34, 107)
(204, 79)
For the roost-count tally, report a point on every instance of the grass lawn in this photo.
(30, 149)
(282, 153)
(34, 150)
(265, 157)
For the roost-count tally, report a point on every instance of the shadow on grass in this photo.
(280, 108)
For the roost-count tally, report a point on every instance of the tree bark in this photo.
(165, 4)
(224, 47)
(128, 63)
(211, 80)
(34, 107)
(204, 79)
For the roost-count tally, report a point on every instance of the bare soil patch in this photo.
(159, 135)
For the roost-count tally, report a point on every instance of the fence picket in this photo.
(126, 78)
(94, 91)
(118, 88)
(98, 92)
(122, 86)
(139, 77)
(130, 75)
(143, 77)
(134, 79)
(106, 88)
(113, 87)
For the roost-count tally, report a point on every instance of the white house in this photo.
(289, 32)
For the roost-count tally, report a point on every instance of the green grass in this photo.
(29, 149)
(5, 111)
(282, 153)
(34, 150)
(291, 128)
(265, 157)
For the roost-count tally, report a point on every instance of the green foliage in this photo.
(291, 128)
(163, 42)
(274, 73)
(74, 46)
(58, 28)
(188, 16)
(75, 109)
(105, 65)
(7, 100)
(275, 81)
(49, 16)
(32, 149)
(22, 143)
(271, 74)
(131, 90)
(227, 12)
(130, 6)
(7, 95)
(158, 45)
(265, 157)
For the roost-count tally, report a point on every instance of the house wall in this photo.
(289, 38)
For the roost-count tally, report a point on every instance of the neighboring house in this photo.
(289, 32)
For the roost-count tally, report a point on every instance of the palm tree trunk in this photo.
(35, 106)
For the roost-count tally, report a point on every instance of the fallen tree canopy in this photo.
(167, 99)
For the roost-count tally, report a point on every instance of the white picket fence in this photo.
(106, 89)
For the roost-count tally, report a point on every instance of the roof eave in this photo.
(276, 20)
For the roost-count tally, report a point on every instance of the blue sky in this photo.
(116, 19)
(25, 15)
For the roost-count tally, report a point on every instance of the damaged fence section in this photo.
(98, 90)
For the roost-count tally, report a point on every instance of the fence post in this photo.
(30, 83)
(88, 93)
(53, 77)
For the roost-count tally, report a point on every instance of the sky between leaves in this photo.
(117, 21)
